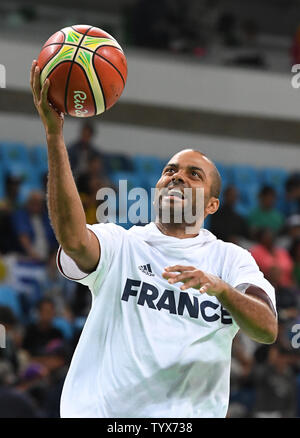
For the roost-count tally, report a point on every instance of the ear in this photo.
(212, 206)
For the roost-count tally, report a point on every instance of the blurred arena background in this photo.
(205, 74)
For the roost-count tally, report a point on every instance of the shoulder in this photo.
(231, 250)
(227, 246)
(108, 227)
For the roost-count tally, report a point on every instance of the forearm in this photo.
(64, 204)
(253, 316)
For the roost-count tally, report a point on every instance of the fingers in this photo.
(179, 268)
(32, 72)
(205, 288)
(189, 275)
(44, 93)
(168, 275)
(174, 278)
(36, 87)
(192, 282)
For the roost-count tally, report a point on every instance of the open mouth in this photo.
(175, 193)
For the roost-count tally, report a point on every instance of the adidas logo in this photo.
(146, 269)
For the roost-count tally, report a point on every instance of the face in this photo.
(295, 231)
(86, 134)
(13, 188)
(47, 312)
(268, 200)
(187, 170)
(35, 203)
(267, 238)
(94, 184)
(231, 195)
(95, 166)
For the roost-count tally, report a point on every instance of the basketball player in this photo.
(166, 304)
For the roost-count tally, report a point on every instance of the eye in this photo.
(195, 173)
(169, 169)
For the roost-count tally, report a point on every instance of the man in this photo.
(227, 224)
(265, 215)
(152, 347)
(32, 227)
(38, 334)
(83, 150)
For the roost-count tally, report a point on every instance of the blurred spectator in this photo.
(287, 309)
(228, 30)
(33, 382)
(275, 384)
(292, 192)
(33, 229)
(295, 254)
(209, 18)
(12, 188)
(274, 262)
(8, 241)
(58, 287)
(249, 55)
(81, 301)
(88, 184)
(39, 333)
(9, 354)
(265, 215)
(241, 384)
(226, 223)
(14, 403)
(291, 232)
(43, 379)
(89, 198)
(56, 359)
(83, 149)
(95, 169)
(155, 23)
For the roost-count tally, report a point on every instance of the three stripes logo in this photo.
(146, 269)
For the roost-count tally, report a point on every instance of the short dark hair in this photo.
(292, 182)
(7, 316)
(216, 185)
(88, 125)
(45, 300)
(267, 190)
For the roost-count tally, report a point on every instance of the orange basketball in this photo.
(87, 69)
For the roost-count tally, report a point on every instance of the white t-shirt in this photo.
(149, 349)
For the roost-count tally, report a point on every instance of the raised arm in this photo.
(64, 204)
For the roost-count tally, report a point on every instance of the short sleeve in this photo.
(242, 271)
(110, 237)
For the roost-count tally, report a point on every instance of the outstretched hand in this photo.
(194, 278)
(52, 119)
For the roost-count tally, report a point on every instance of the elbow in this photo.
(73, 247)
(73, 244)
(269, 338)
(269, 335)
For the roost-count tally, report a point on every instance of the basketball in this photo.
(87, 69)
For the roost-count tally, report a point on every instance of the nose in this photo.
(178, 177)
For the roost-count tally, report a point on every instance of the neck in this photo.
(177, 230)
